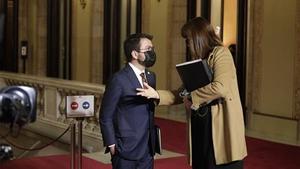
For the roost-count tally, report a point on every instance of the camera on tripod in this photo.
(17, 108)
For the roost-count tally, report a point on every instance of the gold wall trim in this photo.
(274, 116)
(96, 67)
(297, 69)
(258, 31)
(297, 65)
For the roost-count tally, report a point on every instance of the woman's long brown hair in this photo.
(200, 37)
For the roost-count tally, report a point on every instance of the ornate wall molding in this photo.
(297, 69)
(176, 19)
(249, 79)
(255, 75)
(97, 42)
(41, 39)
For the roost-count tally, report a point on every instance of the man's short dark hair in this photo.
(133, 43)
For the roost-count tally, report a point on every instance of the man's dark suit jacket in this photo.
(126, 119)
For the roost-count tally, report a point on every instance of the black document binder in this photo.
(158, 148)
(194, 74)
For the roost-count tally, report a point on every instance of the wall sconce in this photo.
(82, 3)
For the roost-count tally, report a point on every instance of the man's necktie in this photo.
(143, 78)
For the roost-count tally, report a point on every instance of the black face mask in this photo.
(150, 58)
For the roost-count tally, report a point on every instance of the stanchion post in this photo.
(73, 144)
(78, 107)
(79, 142)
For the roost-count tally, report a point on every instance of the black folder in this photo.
(194, 74)
(158, 148)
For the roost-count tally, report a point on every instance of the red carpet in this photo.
(63, 162)
(51, 162)
(261, 154)
(174, 135)
(269, 155)
(172, 163)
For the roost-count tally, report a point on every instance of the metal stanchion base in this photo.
(73, 144)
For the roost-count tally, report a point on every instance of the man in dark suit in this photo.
(126, 119)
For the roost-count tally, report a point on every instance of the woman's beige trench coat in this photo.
(228, 129)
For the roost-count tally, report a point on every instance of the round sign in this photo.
(86, 105)
(74, 105)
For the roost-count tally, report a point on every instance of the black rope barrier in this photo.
(38, 148)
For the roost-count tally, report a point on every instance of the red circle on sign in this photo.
(74, 105)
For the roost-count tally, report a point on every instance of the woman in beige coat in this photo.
(217, 124)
